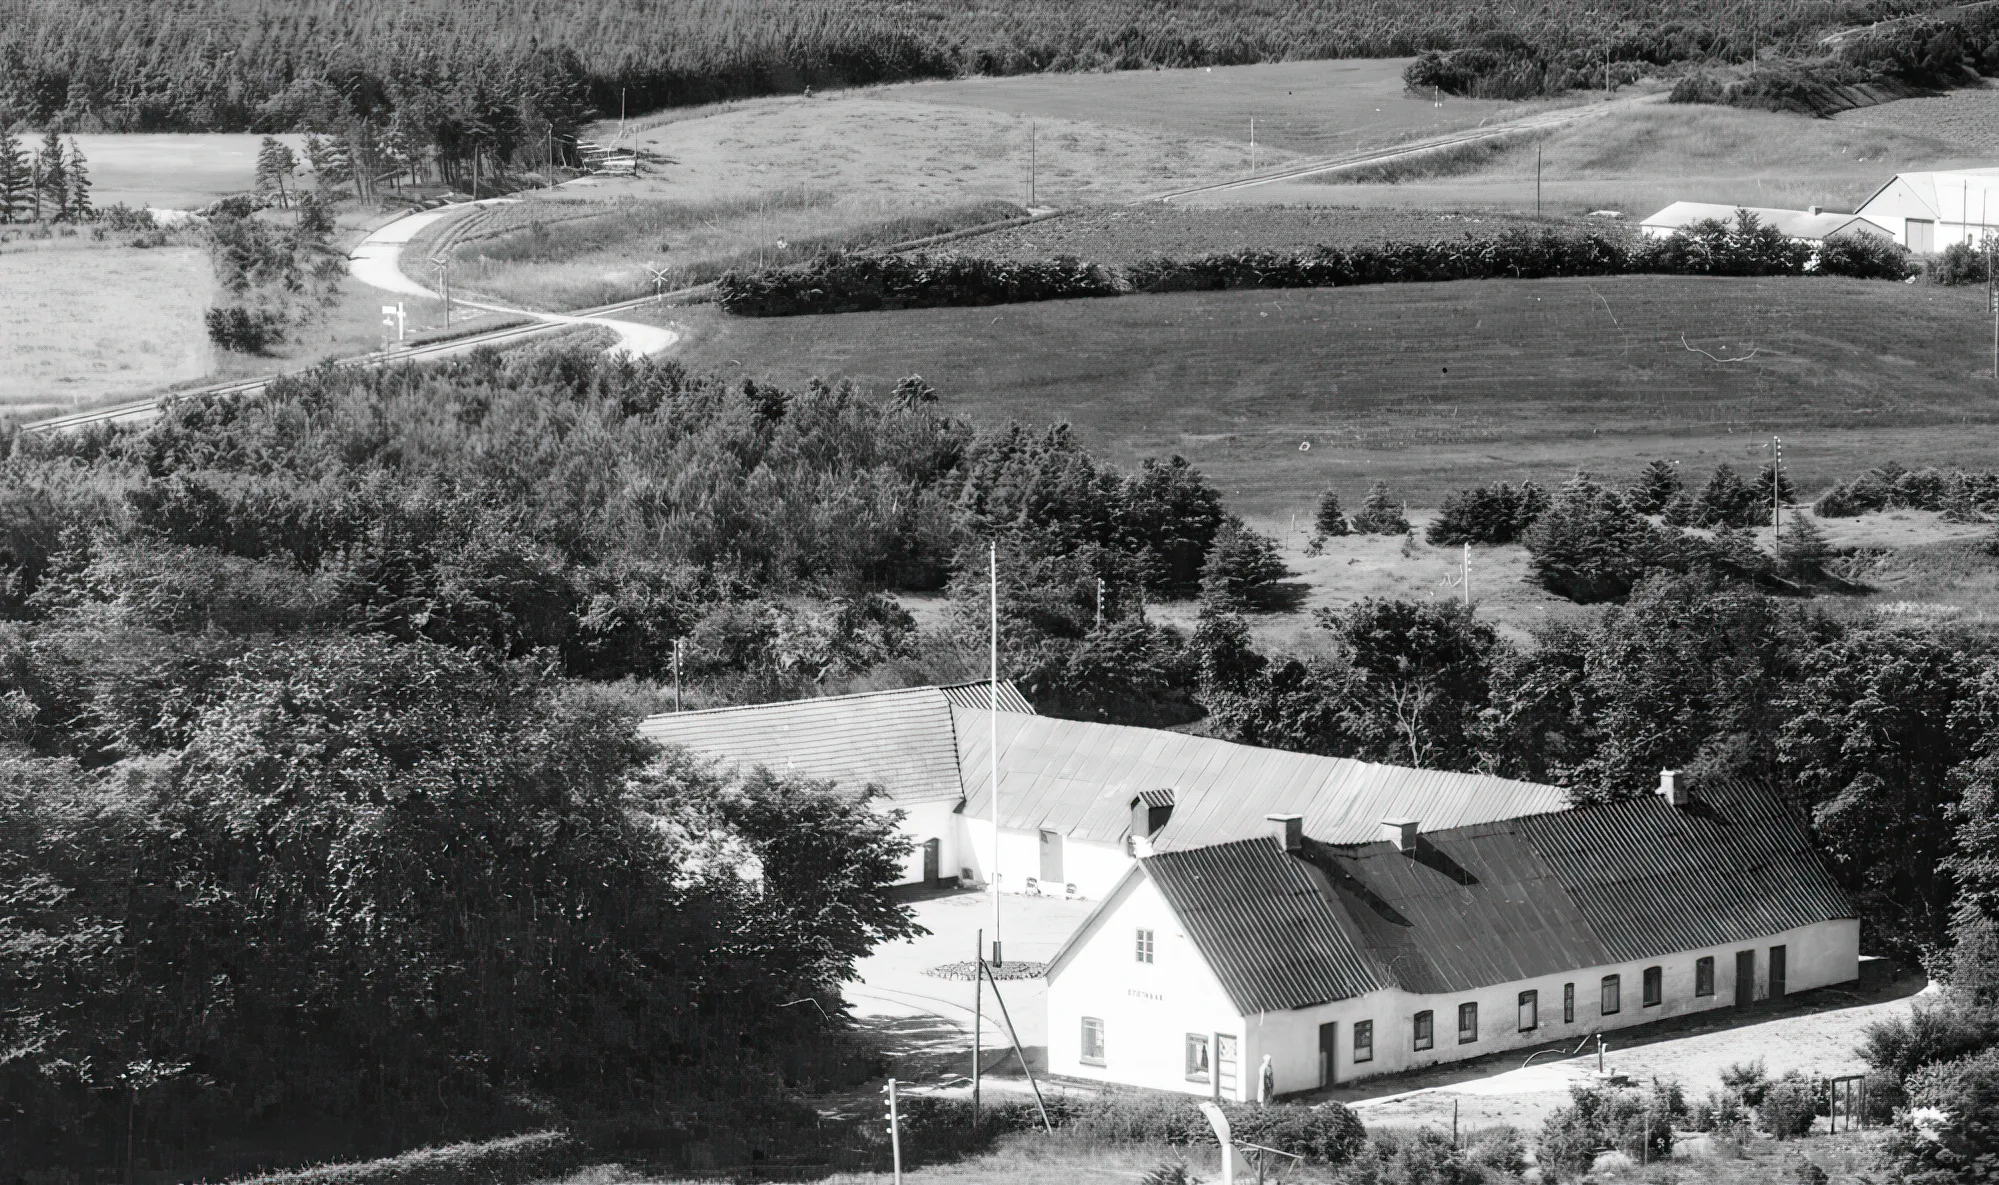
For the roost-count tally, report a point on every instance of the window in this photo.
(1093, 1041)
(1363, 1041)
(1568, 1003)
(1426, 1030)
(1704, 977)
(1530, 1011)
(1611, 1001)
(1655, 989)
(1197, 1057)
(1145, 946)
(1467, 1023)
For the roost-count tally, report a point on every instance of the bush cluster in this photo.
(1324, 1133)
(1591, 544)
(1380, 513)
(1958, 263)
(1726, 500)
(865, 283)
(1713, 248)
(1959, 494)
(243, 330)
(512, 1160)
(1638, 1123)
(1490, 514)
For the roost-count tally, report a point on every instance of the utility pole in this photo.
(1537, 180)
(1033, 166)
(1467, 577)
(978, 1021)
(992, 743)
(894, 1129)
(1776, 491)
(677, 644)
(1252, 144)
(443, 265)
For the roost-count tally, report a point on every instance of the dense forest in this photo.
(502, 72)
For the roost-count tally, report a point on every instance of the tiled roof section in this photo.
(1652, 878)
(899, 740)
(1262, 924)
(1079, 778)
(978, 695)
(1469, 907)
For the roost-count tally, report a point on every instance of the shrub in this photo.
(1589, 545)
(1379, 513)
(244, 331)
(1637, 1123)
(1242, 568)
(1696, 87)
(1325, 1133)
(842, 283)
(1939, 1032)
(1951, 1133)
(1862, 257)
(1329, 518)
(1787, 1108)
(1959, 263)
(1492, 514)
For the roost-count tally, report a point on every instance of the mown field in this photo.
(1434, 387)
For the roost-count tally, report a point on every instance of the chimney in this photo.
(1672, 789)
(1290, 831)
(1815, 210)
(1400, 832)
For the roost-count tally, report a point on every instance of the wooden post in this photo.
(978, 1019)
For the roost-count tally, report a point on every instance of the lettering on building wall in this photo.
(1137, 994)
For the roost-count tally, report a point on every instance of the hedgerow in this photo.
(1744, 247)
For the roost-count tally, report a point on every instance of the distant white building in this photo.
(1812, 226)
(1342, 958)
(1078, 802)
(1927, 212)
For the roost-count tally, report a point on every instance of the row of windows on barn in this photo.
(1610, 1001)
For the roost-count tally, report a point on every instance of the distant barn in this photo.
(1927, 212)
(1812, 226)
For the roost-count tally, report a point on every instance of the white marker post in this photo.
(394, 318)
(894, 1130)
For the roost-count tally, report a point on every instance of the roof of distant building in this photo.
(1499, 901)
(1796, 224)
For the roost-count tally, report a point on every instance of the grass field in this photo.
(1434, 387)
(89, 322)
(1639, 157)
(172, 172)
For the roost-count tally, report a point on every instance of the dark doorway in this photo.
(930, 871)
(1776, 972)
(1745, 978)
(1051, 859)
(1329, 1044)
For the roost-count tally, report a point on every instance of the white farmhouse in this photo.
(1340, 959)
(1927, 212)
(1078, 802)
(1812, 226)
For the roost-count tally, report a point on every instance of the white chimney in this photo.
(1290, 831)
(1814, 209)
(1671, 788)
(1400, 832)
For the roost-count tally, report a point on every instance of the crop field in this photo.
(1437, 386)
(1638, 157)
(105, 321)
(1966, 118)
(1119, 235)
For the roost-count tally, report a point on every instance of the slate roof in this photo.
(1496, 902)
(1079, 778)
(902, 741)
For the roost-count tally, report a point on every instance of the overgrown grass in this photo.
(1455, 160)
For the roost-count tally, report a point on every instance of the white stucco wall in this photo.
(1147, 1009)
(1103, 979)
(925, 820)
(1094, 868)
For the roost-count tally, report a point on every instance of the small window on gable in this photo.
(1197, 1057)
(1145, 946)
(1093, 1041)
(1612, 1000)
(1655, 986)
(1467, 1023)
(1363, 1041)
(1704, 977)
(1426, 1030)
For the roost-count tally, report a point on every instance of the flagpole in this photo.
(992, 745)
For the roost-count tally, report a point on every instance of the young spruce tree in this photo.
(16, 176)
(77, 207)
(51, 179)
(275, 162)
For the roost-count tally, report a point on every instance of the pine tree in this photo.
(1762, 484)
(275, 162)
(16, 177)
(1380, 513)
(1802, 550)
(1330, 519)
(51, 179)
(1655, 487)
(330, 161)
(77, 207)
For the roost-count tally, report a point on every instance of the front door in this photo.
(930, 860)
(1745, 978)
(1329, 1043)
(1225, 1065)
(1776, 972)
(1051, 859)
(1922, 236)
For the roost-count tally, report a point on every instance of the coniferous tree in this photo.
(16, 177)
(76, 202)
(51, 179)
(1655, 488)
(275, 162)
(1380, 513)
(1330, 518)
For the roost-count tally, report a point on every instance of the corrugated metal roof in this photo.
(899, 740)
(1498, 902)
(1263, 925)
(1653, 878)
(977, 695)
(1079, 778)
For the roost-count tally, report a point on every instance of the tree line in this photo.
(445, 75)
